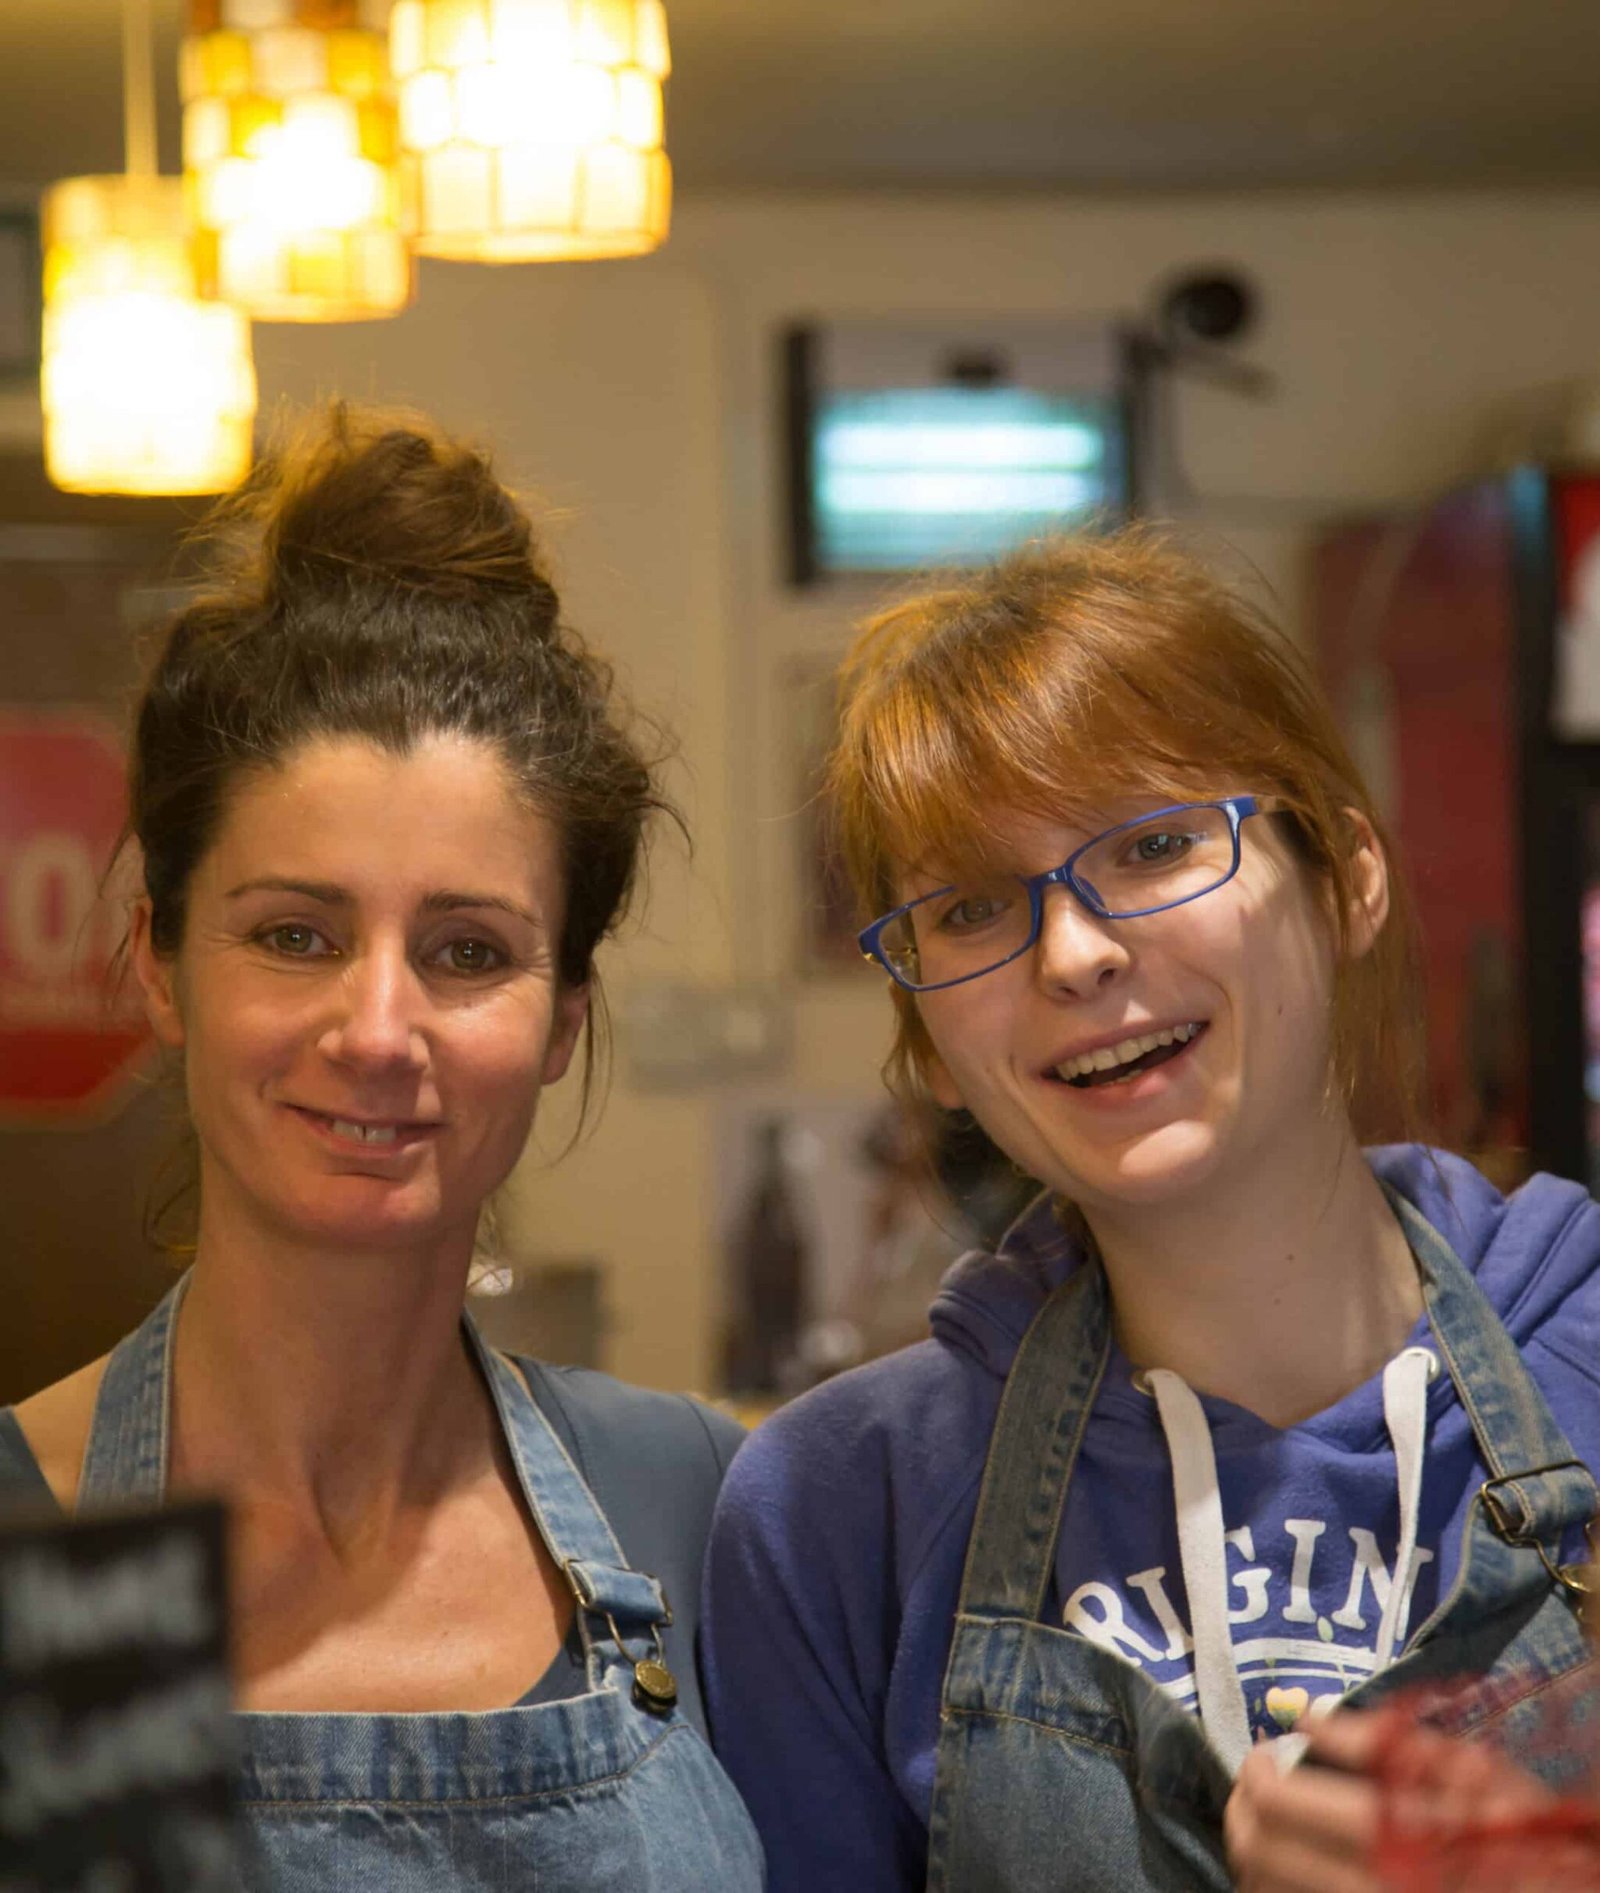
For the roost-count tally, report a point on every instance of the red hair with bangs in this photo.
(1082, 670)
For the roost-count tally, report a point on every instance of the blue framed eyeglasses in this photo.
(1144, 866)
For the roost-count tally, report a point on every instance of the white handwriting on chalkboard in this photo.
(51, 1610)
(166, 1739)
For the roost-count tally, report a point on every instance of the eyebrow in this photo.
(330, 894)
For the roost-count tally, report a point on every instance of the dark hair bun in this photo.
(378, 499)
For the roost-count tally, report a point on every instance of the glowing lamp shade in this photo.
(532, 128)
(289, 152)
(146, 388)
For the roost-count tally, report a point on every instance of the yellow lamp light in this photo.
(531, 129)
(146, 388)
(289, 150)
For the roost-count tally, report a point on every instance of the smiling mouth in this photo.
(1114, 1064)
(376, 1134)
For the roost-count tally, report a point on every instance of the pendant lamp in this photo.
(289, 152)
(532, 129)
(146, 388)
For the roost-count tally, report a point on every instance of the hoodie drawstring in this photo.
(1202, 1552)
(1202, 1548)
(1405, 1413)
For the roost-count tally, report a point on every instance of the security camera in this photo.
(1207, 306)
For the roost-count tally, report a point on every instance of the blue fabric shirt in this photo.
(842, 1529)
(653, 1461)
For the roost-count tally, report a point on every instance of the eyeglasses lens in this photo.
(978, 925)
(965, 930)
(1160, 862)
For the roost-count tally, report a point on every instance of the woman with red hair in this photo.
(1241, 1425)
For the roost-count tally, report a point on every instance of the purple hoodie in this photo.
(842, 1527)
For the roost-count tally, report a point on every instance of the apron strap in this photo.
(576, 1530)
(130, 1434)
(1539, 1492)
(614, 1601)
(1037, 1432)
(633, 1598)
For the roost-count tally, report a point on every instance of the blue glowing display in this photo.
(909, 477)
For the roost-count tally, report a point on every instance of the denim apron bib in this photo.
(595, 1791)
(1062, 1766)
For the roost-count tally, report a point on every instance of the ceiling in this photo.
(1006, 94)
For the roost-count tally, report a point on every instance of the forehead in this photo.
(345, 809)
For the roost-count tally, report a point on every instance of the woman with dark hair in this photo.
(1240, 1423)
(385, 813)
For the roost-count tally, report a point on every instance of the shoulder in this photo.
(887, 1455)
(834, 1565)
(602, 1419)
(1535, 1255)
(1532, 1251)
(52, 1427)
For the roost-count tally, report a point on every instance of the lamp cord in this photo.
(138, 90)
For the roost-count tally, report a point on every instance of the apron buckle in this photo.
(1513, 1525)
(1579, 1581)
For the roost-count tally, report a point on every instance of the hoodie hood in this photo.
(1527, 1251)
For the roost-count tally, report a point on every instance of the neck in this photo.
(1305, 1259)
(336, 1384)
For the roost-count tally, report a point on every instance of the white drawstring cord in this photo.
(1202, 1549)
(1202, 1552)
(1405, 1413)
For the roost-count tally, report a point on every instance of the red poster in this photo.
(70, 1041)
(1415, 623)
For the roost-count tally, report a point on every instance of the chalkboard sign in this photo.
(115, 1744)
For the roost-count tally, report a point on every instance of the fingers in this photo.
(1309, 1831)
(1349, 1739)
(1315, 1828)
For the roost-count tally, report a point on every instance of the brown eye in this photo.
(294, 940)
(473, 956)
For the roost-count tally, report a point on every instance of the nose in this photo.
(1077, 952)
(377, 1022)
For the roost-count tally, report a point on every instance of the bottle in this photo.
(767, 1274)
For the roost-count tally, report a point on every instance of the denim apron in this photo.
(1062, 1766)
(596, 1791)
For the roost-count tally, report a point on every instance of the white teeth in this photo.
(1109, 1057)
(367, 1133)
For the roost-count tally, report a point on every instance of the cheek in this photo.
(966, 1032)
(254, 1035)
(1293, 979)
(500, 1058)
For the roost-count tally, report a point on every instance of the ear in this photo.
(572, 1008)
(157, 977)
(1369, 879)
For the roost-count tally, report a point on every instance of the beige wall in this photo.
(1411, 337)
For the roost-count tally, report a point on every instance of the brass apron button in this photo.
(654, 1686)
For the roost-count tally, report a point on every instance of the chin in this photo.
(380, 1221)
(1155, 1170)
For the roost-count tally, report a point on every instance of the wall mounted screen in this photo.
(919, 447)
